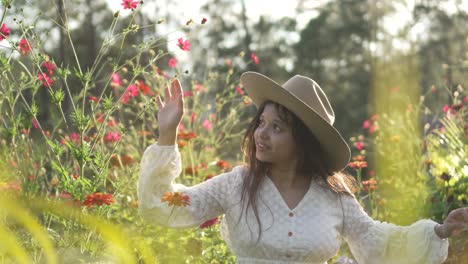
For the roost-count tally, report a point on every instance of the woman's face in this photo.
(273, 138)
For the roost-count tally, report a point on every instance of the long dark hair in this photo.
(311, 161)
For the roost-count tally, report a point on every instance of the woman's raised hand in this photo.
(170, 112)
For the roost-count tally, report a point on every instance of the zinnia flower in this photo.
(98, 199)
(115, 82)
(112, 137)
(222, 164)
(24, 46)
(357, 164)
(176, 199)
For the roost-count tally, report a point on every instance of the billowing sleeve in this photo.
(159, 167)
(372, 241)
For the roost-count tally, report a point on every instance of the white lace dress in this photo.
(309, 233)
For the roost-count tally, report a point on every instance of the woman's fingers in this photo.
(167, 94)
(159, 102)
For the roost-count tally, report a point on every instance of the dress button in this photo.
(290, 234)
(291, 214)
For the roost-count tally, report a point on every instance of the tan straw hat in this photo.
(304, 97)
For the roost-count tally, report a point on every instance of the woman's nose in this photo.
(263, 132)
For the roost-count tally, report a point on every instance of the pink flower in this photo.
(188, 93)
(115, 82)
(129, 4)
(254, 58)
(183, 44)
(192, 117)
(24, 46)
(132, 90)
(34, 122)
(239, 90)
(465, 99)
(172, 62)
(372, 129)
(359, 145)
(199, 88)
(181, 127)
(46, 81)
(4, 32)
(207, 124)
(366, 124)
(112, 137)
(446, 108)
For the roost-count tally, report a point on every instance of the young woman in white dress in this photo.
(289, 203)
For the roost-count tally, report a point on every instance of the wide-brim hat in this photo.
(304, 97)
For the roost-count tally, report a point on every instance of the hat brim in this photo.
(261, 88)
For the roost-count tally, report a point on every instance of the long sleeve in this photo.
(159, 167)
(384, 243)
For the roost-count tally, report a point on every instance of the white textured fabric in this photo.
(310, 233)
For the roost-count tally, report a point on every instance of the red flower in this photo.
(357, 164)
(209, 223)
(183, 44)
(176, 199)
(188, 93)
(465, 99)
(4, 32)
(49, 67)
(199, 88)
(191, 170)
(145, 89)
(446, 108)
(203, 21)
(98, 199)
(24, 46)
(172, 62)
(129, 4)
(209, 176)
(254, 58)
(93, 98)
(112, 137)
(46, 81)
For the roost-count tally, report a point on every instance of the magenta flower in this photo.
(359, 145)
(207, 124)
(254, 58)
(4, 32)
(239, 90)
(115, 82)
(172, 62)
(183, 44)
(366, 124)
(112, 137)
(46, 81)
(129, 4)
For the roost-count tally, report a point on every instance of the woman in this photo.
(290, 203)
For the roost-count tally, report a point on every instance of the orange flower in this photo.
(176, 199)
(181, 143)
(191, 170)
(186, 135)
(98, 199)
(358, 164)
(371, 184)
(222, 164)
